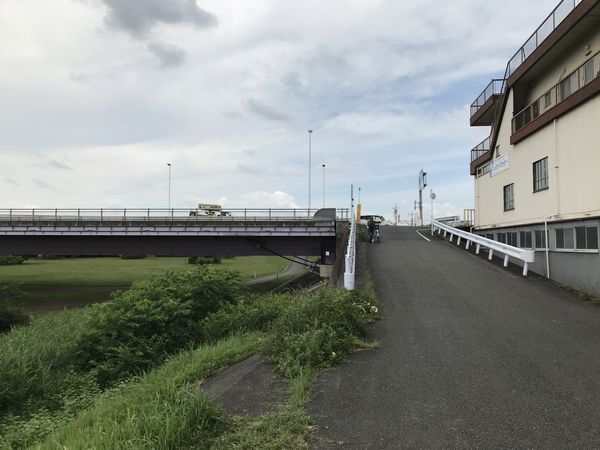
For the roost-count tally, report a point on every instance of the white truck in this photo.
(209, 210)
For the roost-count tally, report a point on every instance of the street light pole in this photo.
(323, 165)
(169, 164)
(310, 132)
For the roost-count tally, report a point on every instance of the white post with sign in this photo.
(432, 197)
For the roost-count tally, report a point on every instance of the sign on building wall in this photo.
(500, 164)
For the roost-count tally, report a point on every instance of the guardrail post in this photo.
(458, 241)
(491, 255)
(477, 249)
(525, 269)
(451, 237)
(505, 260)
(468, 245)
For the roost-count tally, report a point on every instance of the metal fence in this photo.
(526, 256)
(152, 215)
(555, 18)
(496, 87)
(481, 149)
(350, 260)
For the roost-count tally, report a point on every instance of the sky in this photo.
(98, 96)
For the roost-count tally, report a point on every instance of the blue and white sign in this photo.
(500, 164)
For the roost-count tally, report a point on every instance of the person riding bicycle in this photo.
(371, 227)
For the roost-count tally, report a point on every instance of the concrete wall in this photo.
(578, 268)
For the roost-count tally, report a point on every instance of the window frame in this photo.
(509, 204)
(537, 178)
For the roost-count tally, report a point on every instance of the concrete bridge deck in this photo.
(471, 356)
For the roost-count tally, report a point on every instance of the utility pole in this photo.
(422, 184)
(432, 197)
(323, 165)
(309, 166)
(396, 214)
(169, 164)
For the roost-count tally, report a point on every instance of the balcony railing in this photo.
(570, 84)
(496, 87)
(481, 149)
(541, 34)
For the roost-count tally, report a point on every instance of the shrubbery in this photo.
(138, 328)
(318, 330)
(204, 260)
(11, 315)
(9, 260)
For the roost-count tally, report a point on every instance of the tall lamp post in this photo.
(169, 164)
(323, 165)
(310, 132)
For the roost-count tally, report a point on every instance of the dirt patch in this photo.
(251, 387)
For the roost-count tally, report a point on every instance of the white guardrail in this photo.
(527, 256)
(349, 273)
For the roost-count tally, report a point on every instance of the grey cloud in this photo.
(137, 17)
(8, 180)
(249, 169)
(169, 55)
(41, 183)
(57, 164)
(264, 110)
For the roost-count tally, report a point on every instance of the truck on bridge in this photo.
(211, 210)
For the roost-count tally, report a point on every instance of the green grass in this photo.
(301, 333)
(122, 272)
(76, 282)
(163, 410)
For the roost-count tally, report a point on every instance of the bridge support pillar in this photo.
(327, 258)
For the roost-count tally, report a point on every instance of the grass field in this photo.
(122, 272)
(76, 282)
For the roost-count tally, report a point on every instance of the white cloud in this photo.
(384, 84)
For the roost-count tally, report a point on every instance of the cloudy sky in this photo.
(97, 96)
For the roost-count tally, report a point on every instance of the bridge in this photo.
(171, 232)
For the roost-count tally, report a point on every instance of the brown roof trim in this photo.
(561, 30)
(581, 96)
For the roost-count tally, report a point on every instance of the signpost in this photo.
(422, 185)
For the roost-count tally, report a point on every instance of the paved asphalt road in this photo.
(471, 356)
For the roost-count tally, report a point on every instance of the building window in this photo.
(568, 86)
(547, 99)
(497, 151)
(588, 71)
(482, 170)
(509, 197)
(490, 236)
(511, 238)
(540, 175)
(565, 238)
(540, 239)
(525, 239)
(502, 238)
(586, 238)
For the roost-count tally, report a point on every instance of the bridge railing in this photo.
(526, 256)
(148, 215)
(350, 260)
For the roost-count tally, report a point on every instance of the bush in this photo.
(138, 328)
(253, 313)
(319, 329)
(36, 361)
(10, 315)
(8, 260)
(204, 260)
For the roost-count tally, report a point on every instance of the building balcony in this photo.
(481, 149)
(480, 154)
(556, 17)
(575, 88)
(484, 108)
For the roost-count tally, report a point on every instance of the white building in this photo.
(538, 174)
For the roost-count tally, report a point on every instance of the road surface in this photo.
(471, 356)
